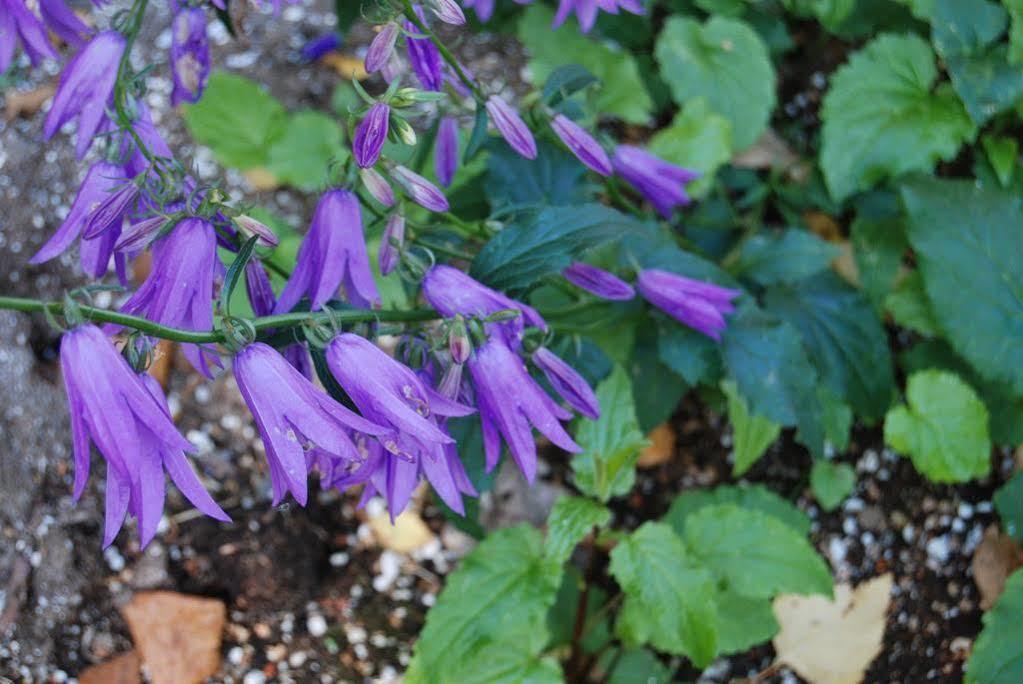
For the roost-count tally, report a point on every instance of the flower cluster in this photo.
(360, 416)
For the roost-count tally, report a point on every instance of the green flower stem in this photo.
(411, 15)
(289, 320)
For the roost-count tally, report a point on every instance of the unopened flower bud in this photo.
(404, 130)
(582, 144)
(458, 341)
(446, 151)
(511, 127)
(391, 243)
(377, 186)
(249, 227)
(138, 235)
(371, 135)
(447, 11)
(421, 191)
(382, 47)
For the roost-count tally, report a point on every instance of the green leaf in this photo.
(611, 444)
(565, 82)
(571, 519)
(966, 27)
(235, 271)
(756, 554)
(1015, 8)
(743, 622)
(638, 665)
(987, 83)
(725, 61)
(883, 116)
(838, 418)
(1009, 504)
(236, 119)
(1002, 153)
(830, 13)
(662, 387)
(546, 243)
(878, 245)
(489, 623)
(908, 305)
(844, 337)
(831, 482)
(787, 257)
(691, 354)
(921, 9)
(750, 497)
(553, 178)
(697, 139)
(969, 247)
(668, 599)
(997, 656)
(943, 429)
(771, 369)
(751, 434)
(302, 155)
(621, 92)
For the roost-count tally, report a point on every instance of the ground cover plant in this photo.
(803, 215)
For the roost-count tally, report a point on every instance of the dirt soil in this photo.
(311, 594)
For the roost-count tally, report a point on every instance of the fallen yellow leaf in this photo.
(407, 534)
(661, 447)
(833, 642)
(261, 179)
(348, 66)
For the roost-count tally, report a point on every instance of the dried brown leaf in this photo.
(996, 557)
(122, 669)
(661, 448)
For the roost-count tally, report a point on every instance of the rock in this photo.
(123, 669)
(177, 636)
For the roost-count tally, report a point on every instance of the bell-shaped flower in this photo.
(189, 55)
(333, 253)
(586, 10)
(391, 243)
(85, 89)
(377, 186)
(510, 404)
(567, 382)
(661, 183)
(451, 291)
(62, 20)
(179, 289)
(293, 418)
(697, 304)
(424, 56)
(126, 418)
(17, 22)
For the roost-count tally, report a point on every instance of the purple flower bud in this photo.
(248, 227)
(390, 244)
(445, 156)
(109, 214)
(382, 47)
(598, 282)
(127, 419)
(18, 21)
(63, 21)
(510, 404)
(189, 55)
(567, 382)
(371, 135)
(583, 146)
(320, 46)
(447, 11)
(661, 183)
(333, 253)
(511, 126)
(139, 234)
(258, 288)
(86, 85)
(293, 417)
(699, 305)
(421, 191)
(458, 341)
(484, 8)
(377, 186)
(424, 56)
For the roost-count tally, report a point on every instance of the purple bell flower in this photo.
(421, 191)
(661, 183)
(102, 179)
(18, 22)
(424, 56)
(377, 186)
(381, 48)
(583, 146)
(262, 300)
(189, 55)
(390, 253)
(86, 86)
(697, 304)
(598, 282)
(320, 46)
(154, 142)
(511, 126)
(294, 417)
(586, 10)
(332, 253)
(451, 292)
(179, 289)
(126, 418)
(567, 382)
(371, 134)
(445, 158)
(64, 22)
(510, 403)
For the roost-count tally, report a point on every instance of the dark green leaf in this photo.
(565, 82)
(909, 307)
(751, 435)
(639, 666)
(553, 178)
(235, 272)
(478, 136)
(1009, 504)
(786, 258)
(878, 245)
(662, 389)
(690, 354)
(997, 656)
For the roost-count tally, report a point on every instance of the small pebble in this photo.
(254, 677)
(317, 625)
